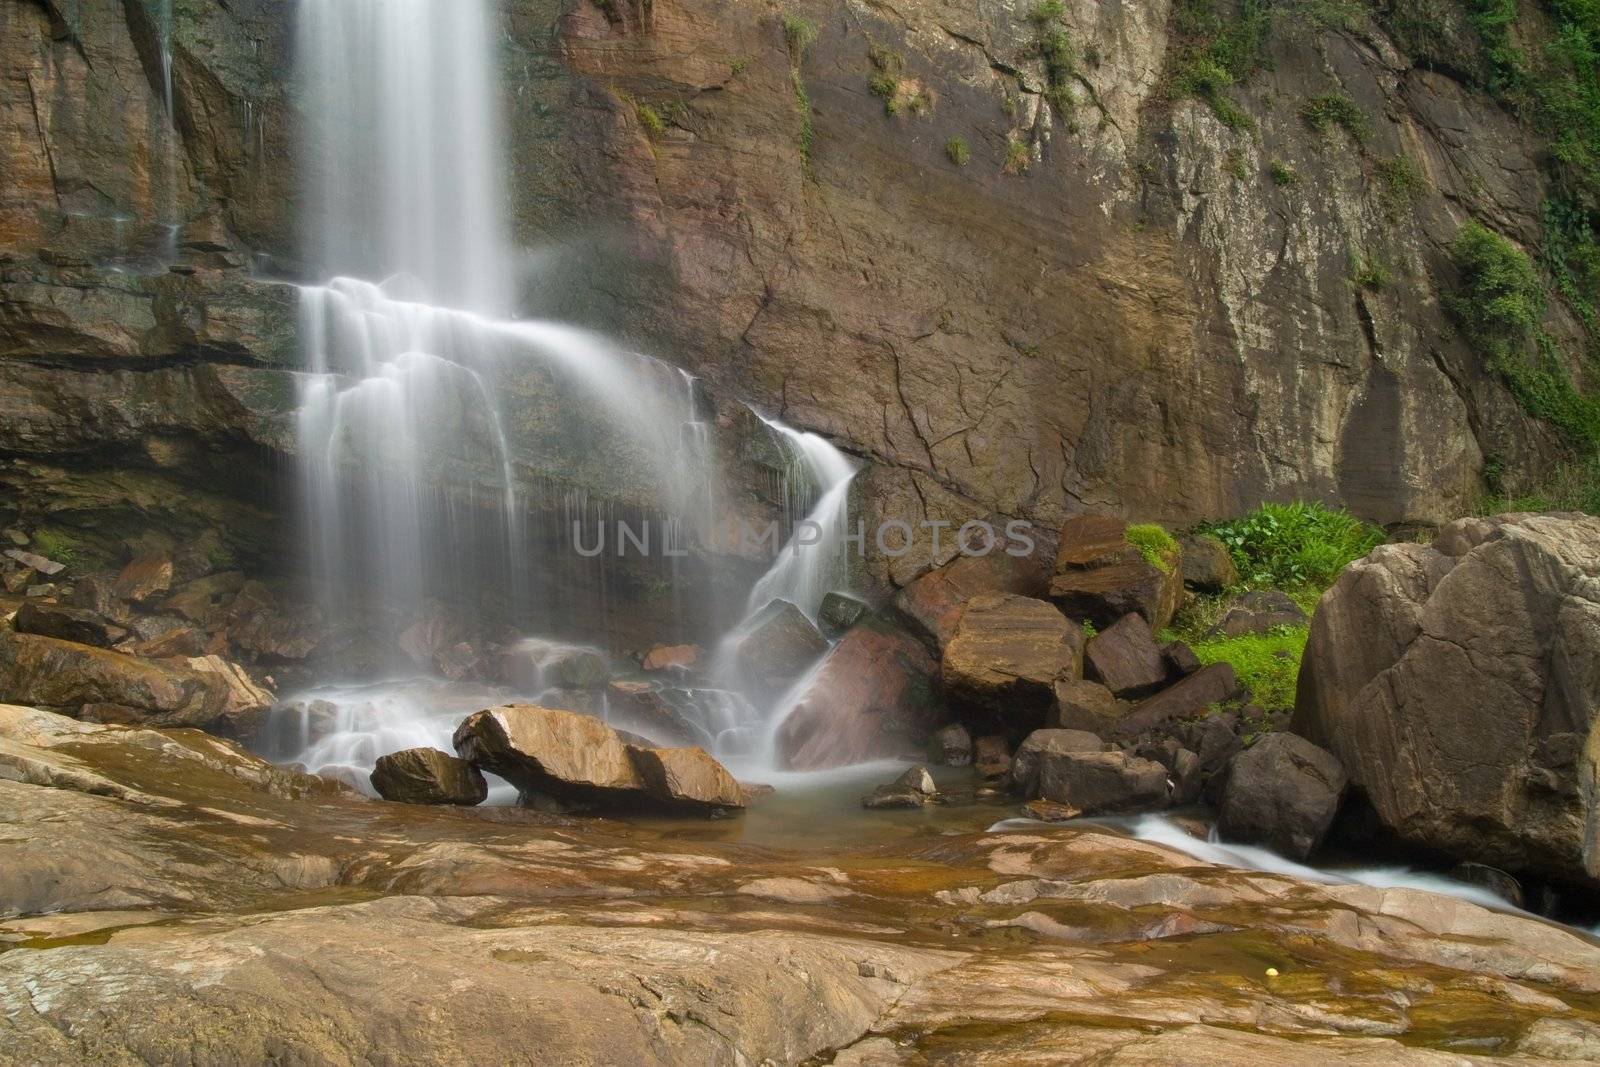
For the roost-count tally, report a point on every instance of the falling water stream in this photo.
(415, 453)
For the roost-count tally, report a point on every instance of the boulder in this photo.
(428, 776)
(1257, 612)
(205, 601)
(875, 696)
(1182, 764)
(1008, 652)
(912, 789)
(545, 752)
(69, 624)
(1190, 697)
(991, 757)
(1041, 743)
(1100, 577)
(952, 746)
(1126, 659)
(1459, 684)
(686, 779)
(774, 648)
(1085, 705)
(147, 575)
(532, 665)
(1099, 782)
(1207, 565)
(1181, 660)
(642, 708)
(672, 657)
(932, 605)
(1213, 738)
(50, 672)
(1282, 792)
(244, 703)
(839, 612)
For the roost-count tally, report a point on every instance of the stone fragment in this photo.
(428, 776)
(991, 757)
(912, 789)
(839, 612)
(1126, 659)
(672, 657)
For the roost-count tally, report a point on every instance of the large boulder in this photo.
(875, 696)
(428, 776)
(531, 664)
(1192, 696)
(1126, 658)
(1085, 705)
(1282, 792)
(932, 605)
(1459, 684)
(1100, 576)
(67, 623)
(1008, 652)
(565, 759)
(1097, 782)
(774, 648)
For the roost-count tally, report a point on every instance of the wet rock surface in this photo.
(243, 907)
(428, 776)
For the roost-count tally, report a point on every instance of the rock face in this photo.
(1282, 792)
(1101, 578)
(875, 696)
(1459, 684)
(428, 776)
(1008, 652)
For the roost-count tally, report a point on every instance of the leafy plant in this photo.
(1368, 272)
(799, 35)
(1296, 545)
(1218, 47)
(1282, 174)
(1327, 110)
(956, 148)
(650, 119)
(1155, 544)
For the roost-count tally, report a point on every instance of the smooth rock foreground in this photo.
(167, 898)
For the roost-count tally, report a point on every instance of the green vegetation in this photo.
(1047, 11)
(1572, 486)
(1017, 156)
(1327, 110)
(1283, 174)
(1499, 307)
(739, 66)
(888, 81)
(956, 148)
(1295, 546)
(1217, 48)
(799, 35)
(1367, 272)
(1234, 164)
(1268, 664)
(1402, 183)
(54, 545)
(1155, 544)
(1059, 55)
(649, 118)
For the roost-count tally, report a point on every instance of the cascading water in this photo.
(416, 451)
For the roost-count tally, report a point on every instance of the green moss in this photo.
(1282, 174)
(1155, 544)
(1047, 11)
(1017, 156)
(58, 546)
(1294, 546)
(957, 151)
(808, 133)
(650, 119)
(1268, 664)
(1326, 111)
(1234, 164)
(739, 66)
(1402, 183)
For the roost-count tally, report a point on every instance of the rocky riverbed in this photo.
(170, 898)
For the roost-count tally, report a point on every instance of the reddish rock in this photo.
(1126, 659)
(666, 657)
(776, 647)
(1100, 577)
(875, 696)
(932, 605)
(147, 575)
(1085, 705)
(640, 707)
(991, 756)
(428, 776)
(1207, 565)
(686, 779)
(1181, 660)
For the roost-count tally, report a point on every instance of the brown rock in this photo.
(49, 672)
(1207, 566)
(205, 601)
(669, 657)
(776, 647)
(1459, 685)
(1008, 652)
(934, 602)
(69, 624)
(35, 562)
(1049, 810)
(147, 575)
(1100, 577)
(1257, 612)
(875, 696)
(686, 779)
(912, 789)
(839, 611)
(1126, 659)
(428, 776)
(1096, 782)
(1205, 688)
(991, 756)
(1282, 792)
(952, 746)
(533, 665)
(558, 754)
(1181, 660)
(1085, 705)
(641, 708)
(1040, 743)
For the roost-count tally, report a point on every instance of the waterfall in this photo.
(813, 562)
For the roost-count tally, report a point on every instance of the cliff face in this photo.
(987, 247)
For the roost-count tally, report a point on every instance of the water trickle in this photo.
(813, 562)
